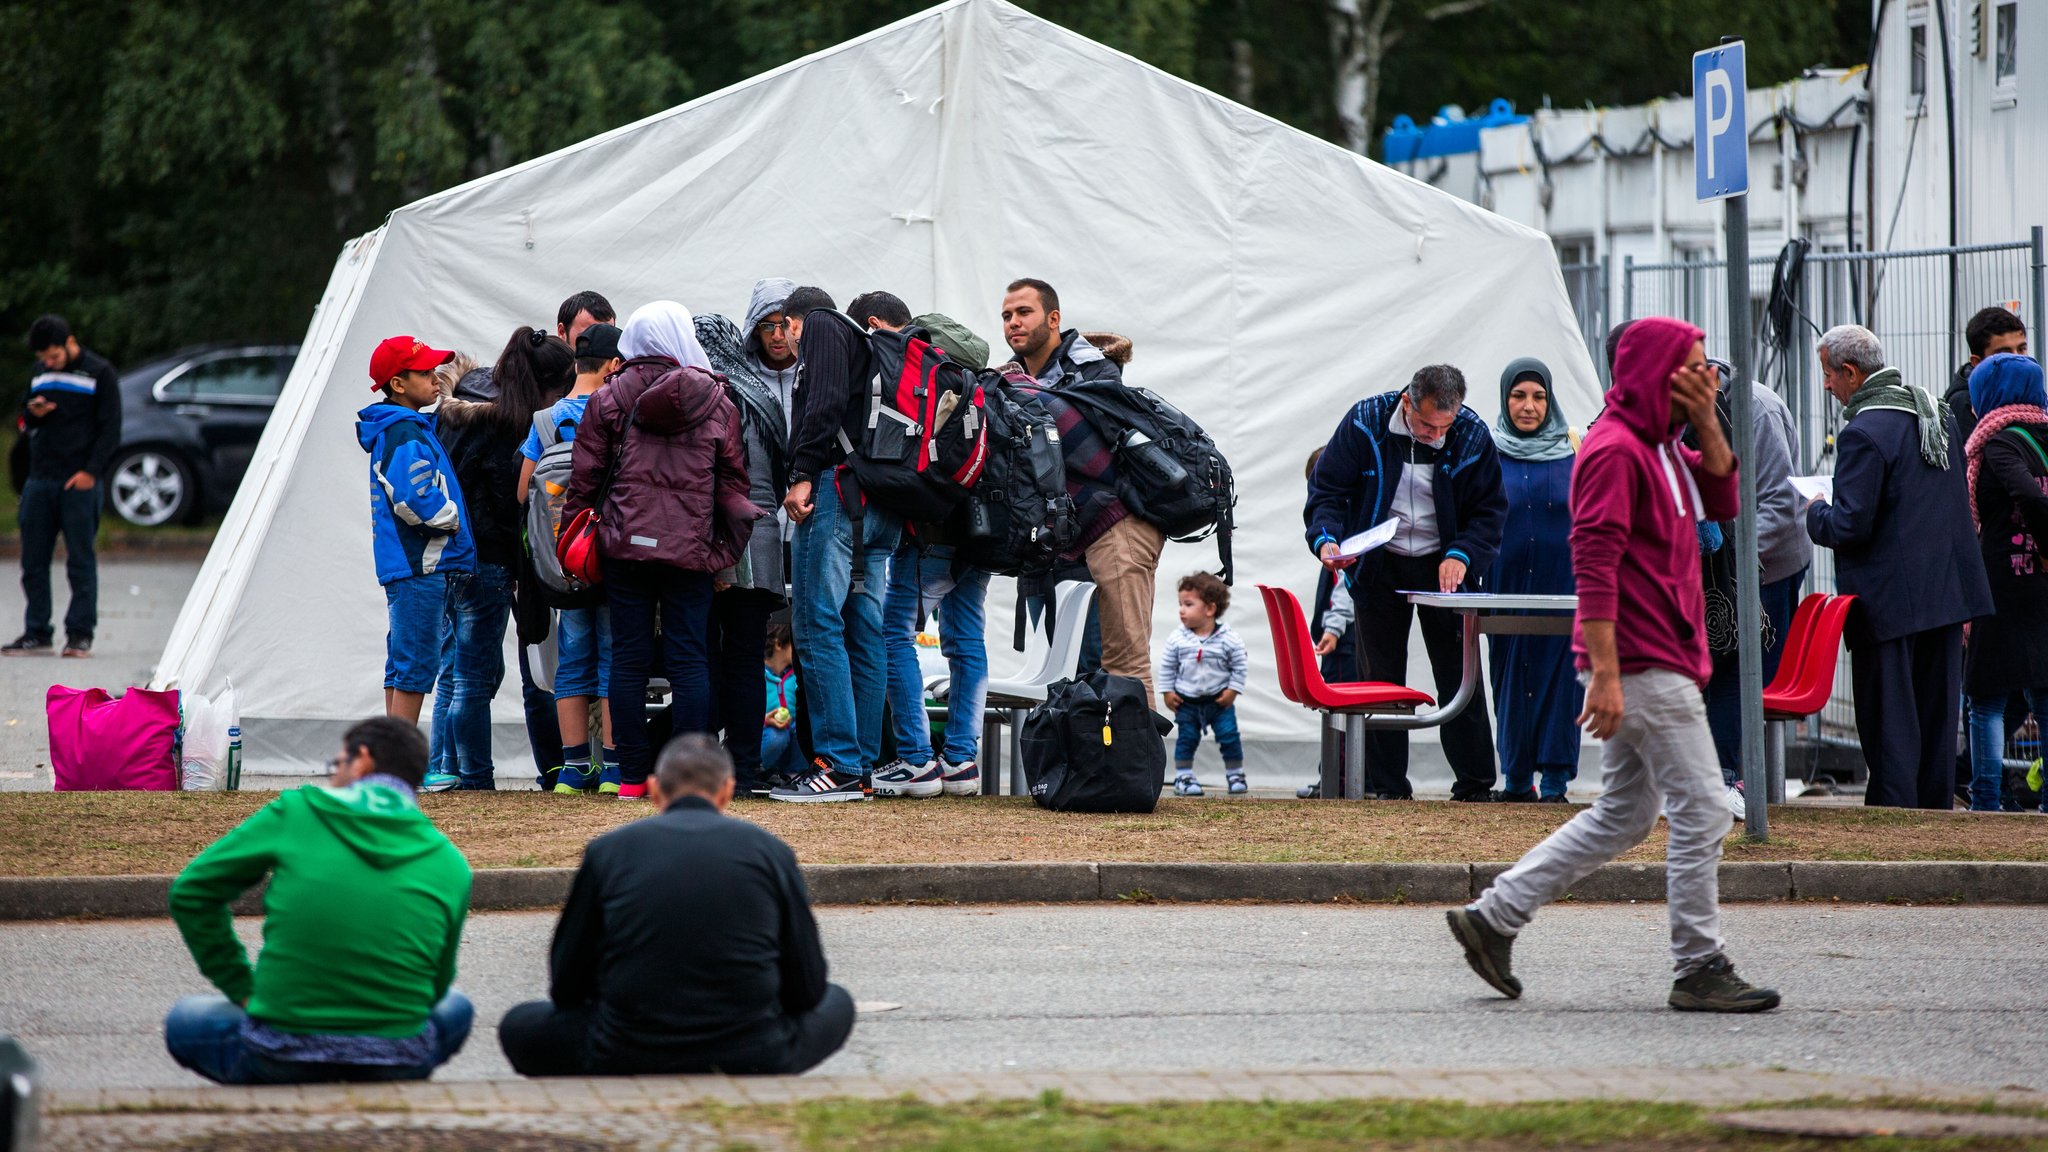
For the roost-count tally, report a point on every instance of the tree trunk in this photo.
(1348, 93)
(1377, 43)
(425, 66)
(1242, 88)
(342, 167)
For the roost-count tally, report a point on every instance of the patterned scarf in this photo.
(1885, 388)
(1995, 421)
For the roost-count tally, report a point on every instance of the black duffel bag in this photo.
(1095, 745)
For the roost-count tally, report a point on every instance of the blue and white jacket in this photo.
(418, 522)
(1353, 486)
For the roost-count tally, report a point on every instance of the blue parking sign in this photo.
(1720, 122)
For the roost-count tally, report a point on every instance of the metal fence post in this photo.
(1628, 288)
(1606, 270)
(2040, 291)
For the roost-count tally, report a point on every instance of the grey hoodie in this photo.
(768, 297)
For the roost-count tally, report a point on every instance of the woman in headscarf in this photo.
(1536, 694)
(661, 458)
(2008, 652)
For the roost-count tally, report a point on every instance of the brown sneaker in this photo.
(78, 647)
(1714, 987)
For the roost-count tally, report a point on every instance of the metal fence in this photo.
(1916, 302)
(1586, 285)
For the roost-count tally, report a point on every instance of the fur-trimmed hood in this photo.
(1115, 348)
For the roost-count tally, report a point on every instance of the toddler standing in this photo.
(1201, 674)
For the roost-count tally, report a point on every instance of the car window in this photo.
(232, 378)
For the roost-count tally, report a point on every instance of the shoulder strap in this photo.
(2032, 443)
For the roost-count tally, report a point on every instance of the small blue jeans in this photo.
(583, 652)
(916, 581)
(838, 631)
(472, 669)
(417, 614)
(1987, 748)
(779, 754)
(1195, 716)
(204, 1034)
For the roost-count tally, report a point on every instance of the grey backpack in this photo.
(545, 494)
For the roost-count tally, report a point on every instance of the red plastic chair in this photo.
(1283, 649)
(1806, 675)
(1291, 637)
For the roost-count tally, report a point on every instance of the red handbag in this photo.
(576, 547)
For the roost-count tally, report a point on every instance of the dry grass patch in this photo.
(115, 833)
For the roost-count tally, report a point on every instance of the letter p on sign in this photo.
(1720, 122)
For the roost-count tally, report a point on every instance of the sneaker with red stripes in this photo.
(823, 786)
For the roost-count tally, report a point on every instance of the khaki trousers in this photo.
(1123, 564)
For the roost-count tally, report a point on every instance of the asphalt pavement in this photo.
(1937, 994)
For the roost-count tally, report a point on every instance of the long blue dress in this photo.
(1535, 689)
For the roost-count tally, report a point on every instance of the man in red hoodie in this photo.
(1641, 641)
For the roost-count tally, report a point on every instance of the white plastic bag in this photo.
(205, 739)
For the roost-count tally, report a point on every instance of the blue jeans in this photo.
(779, 754)
(1724, 692)
(417, 614)
(916, 581)
(46, 511)
(838, 632)
(472, 668)
(583, 652)
(636, 588)
(1192, 717)
(204, 1033)
(1987, 748)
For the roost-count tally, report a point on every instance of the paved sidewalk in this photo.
(638, 1113)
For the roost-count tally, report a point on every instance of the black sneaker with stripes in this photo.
(822, 786)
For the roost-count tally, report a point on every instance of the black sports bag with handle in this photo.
(1095, 745)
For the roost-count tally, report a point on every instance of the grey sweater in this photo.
(1781, 540)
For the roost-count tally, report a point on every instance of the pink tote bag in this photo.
(99, 744)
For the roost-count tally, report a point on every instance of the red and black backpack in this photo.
(925, 439)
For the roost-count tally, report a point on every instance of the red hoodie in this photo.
(1636, 496)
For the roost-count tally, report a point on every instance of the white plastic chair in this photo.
(1009, 698)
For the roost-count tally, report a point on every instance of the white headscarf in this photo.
(663, 328)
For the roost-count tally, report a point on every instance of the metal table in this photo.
(1343, 768)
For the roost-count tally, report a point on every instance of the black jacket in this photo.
(1354, 483)
(82, 434)
(1958, 400)
(1900, 530)
(2010, 652)
(686, 935)
(486, 458)
(832, 369)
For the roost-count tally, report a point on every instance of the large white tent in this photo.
(1267, 279)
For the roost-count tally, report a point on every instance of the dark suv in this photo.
(189, 426)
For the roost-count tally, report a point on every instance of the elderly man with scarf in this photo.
(1900, 527)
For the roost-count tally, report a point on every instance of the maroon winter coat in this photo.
(680, 496)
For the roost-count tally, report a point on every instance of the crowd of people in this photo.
(708, 464)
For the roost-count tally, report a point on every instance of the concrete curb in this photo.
(513, 889)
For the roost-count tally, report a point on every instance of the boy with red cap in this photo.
(1641, 640)
(418, 523)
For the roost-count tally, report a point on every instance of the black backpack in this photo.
(1095, 745)
(1169, 472)
(925, 435)
(1018, 519)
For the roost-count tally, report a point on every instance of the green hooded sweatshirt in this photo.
(361, 920)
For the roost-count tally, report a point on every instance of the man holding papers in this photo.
(1419, 460)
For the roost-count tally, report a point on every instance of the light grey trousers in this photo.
(1662, 758)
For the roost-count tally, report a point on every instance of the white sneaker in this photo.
(902, 778)
(1737, 802)
(961, 779)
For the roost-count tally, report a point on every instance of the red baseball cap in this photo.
(403, 354)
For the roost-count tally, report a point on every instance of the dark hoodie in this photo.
(680, 494)
(1637, 495)
(361, 921)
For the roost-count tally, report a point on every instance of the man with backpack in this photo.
(839, 558)
(1121, 550)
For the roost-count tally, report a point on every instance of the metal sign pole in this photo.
(1720, 94)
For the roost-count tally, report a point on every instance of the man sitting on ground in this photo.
(361, 923)
(687, 945)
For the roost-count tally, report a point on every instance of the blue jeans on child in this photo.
(1204, 713)
(780, 755)
(1987, 749)
(472, 669)
(416, 622)
(204, 1033)
(838, 632)
(926, 579)
(583, 652)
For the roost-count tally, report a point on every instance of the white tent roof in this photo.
(1267, 279)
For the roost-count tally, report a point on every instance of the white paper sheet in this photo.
(1810, 486)
(1367, 540)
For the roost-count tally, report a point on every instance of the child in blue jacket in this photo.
(418, 524)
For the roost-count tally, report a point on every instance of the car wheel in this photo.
(150, 486)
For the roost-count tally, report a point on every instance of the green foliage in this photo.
(180, 170)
